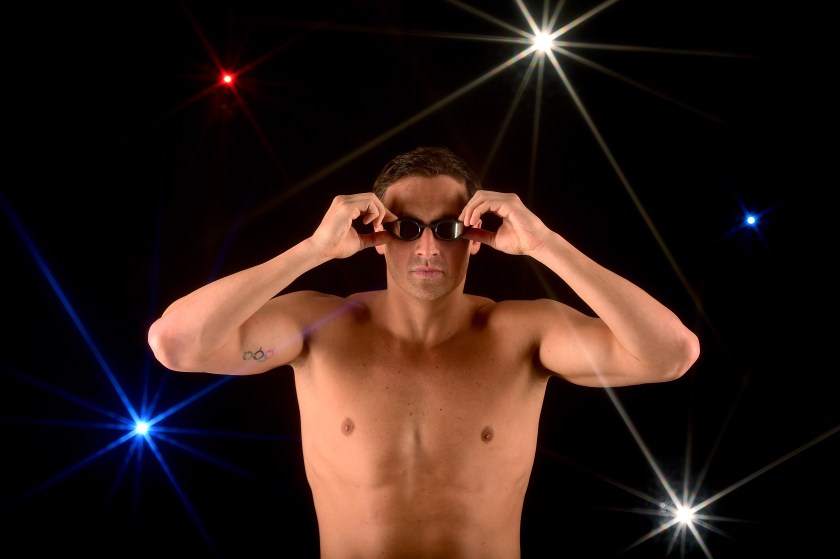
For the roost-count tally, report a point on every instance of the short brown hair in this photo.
(426, 161)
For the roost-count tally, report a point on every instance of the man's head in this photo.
(426, 162)
(428, 185)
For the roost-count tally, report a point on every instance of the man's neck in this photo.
(425, 323)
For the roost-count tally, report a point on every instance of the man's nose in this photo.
(427, 243)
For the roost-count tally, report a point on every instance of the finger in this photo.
(388, 216)
(481, 235)
(374, 210)
(466, 213)
(374, 239)
(385, 215)
(473, 215)
(482, 202)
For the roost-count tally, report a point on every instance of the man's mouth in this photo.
(427, 271)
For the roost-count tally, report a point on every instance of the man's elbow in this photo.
(686, 353)
(167, 348)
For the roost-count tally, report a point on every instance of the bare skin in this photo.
(419, 403)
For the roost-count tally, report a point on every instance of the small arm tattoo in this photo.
(260, 355)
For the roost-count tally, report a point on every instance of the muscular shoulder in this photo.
(312, 306)
(524, 313)
(529, 320)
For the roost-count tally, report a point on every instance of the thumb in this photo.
(480, 235)
(374, 239)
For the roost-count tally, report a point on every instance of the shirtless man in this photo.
(419, 403)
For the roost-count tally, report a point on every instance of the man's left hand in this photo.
(521, 232)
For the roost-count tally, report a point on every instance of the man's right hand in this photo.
(336, 237)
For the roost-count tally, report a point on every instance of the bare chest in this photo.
(400, 380)
(373, 390)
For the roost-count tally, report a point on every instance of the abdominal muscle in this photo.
(415, 501)
(411, 476)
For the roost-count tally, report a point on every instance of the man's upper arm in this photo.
(274, 336)
(581, 348)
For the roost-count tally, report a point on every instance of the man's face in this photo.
(427, 268)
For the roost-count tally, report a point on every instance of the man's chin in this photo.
(428, 289)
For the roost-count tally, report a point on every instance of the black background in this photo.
(133, 177)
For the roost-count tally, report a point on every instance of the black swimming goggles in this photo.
(406, 229)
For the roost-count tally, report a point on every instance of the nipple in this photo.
(487, 434)
(347, 426)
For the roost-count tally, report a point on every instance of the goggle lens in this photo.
(409, 229)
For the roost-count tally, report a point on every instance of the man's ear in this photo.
(379, 248)
(475, 245)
